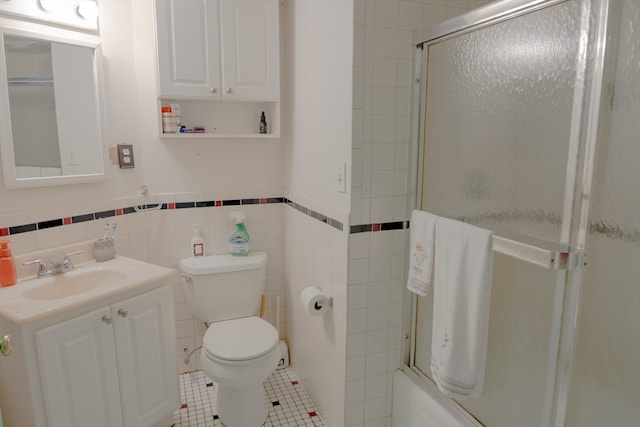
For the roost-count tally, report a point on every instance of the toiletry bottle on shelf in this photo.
(8, 274)
(197, 243)
(170, 120)
(239, 240)
(263, 123)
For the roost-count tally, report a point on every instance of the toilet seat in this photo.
(239, 340)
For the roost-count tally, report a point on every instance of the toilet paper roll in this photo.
(314, 301)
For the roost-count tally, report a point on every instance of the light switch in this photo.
(341, 177)
(125, 156)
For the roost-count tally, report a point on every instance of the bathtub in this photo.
(417, 403)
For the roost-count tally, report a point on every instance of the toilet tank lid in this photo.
(223, 263)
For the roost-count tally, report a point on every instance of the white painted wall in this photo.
(317, 77)
(318, 41)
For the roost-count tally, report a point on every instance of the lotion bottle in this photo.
(8, 274)
(239, 239)
(197, 243)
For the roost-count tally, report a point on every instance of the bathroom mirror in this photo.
(51, 115)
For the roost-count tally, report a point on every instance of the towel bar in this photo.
(545, 258)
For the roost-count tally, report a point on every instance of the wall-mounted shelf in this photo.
(187, 136)
(223, 119)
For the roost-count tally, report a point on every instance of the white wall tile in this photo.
(378, 293)
(385, 42)
(410, 16)
(376, 386)
(383, 157)
(385, 72)
(377, 340)
(356, 344)
(384, 100)
(355, 391)
(386, 13)
(354, 415)
(382, 183)
(383, 129)
(381, 244)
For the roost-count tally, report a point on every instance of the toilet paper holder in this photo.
(321, 303)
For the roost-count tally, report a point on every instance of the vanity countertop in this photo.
(89, 286)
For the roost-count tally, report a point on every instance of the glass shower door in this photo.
(605, 382)
(503, 133)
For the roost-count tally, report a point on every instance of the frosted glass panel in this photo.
(517, 354)
(498, 121)
(605, 382)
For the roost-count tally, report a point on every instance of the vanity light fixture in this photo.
(88, 9)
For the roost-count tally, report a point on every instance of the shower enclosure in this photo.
(527, 122)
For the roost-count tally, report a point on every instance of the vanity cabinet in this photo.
(114, 366)
(219, 59)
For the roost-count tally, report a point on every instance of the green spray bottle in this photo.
(239, 239)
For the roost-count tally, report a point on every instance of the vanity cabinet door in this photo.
(188, 48)
(249, 40)
(78, 372)
(144, 330)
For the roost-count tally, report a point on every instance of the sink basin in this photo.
(92, 285)
(72, 283)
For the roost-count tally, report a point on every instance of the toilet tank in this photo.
(223, 287)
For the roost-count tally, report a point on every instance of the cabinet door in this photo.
(78, 372)
(188, 48)
(250, 49)
(145, 346)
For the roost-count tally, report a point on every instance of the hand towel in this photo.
(462, 293)
(422, 239)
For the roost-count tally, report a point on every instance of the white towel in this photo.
(422, 239)
(462, 293)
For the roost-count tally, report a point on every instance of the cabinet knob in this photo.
(213, 90)
(122, 312)
(5, 345)
(106, 319)
(228, 90)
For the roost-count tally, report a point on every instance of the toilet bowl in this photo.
(239, 349)
(238, 355)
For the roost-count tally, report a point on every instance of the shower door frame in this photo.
(591, 74)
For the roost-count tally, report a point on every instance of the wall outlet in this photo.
(125, 156)
(341, 177)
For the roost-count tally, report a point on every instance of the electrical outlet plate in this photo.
(125, 156)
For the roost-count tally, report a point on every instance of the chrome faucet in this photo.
(56, 267)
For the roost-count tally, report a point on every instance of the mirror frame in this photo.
(7, 154)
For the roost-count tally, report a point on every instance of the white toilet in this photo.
(240, 350)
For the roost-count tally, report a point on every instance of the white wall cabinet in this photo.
(112, 367)
(220, 51)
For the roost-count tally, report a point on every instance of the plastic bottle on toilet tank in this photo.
(239, 239)
(197, 242)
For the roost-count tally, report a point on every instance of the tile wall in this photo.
(379, 204)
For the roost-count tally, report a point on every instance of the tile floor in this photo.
(291, 406)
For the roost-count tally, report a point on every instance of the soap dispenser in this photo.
(8, 274)
(239, 239)
(197, 242)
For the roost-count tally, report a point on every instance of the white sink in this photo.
(72, 283)
(91, 284)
